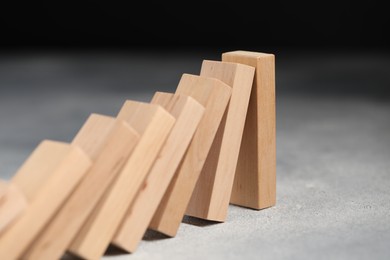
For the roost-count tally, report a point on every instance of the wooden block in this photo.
(111, 156)
(12, 204)
(255, 182)
(211, 196)
(3, 189)
(92, 136)
(46, 179)
(214, 95)
(153, 123)
(188, 114)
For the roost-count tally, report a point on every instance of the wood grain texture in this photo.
(12, 204)
(211, 196)
(153, 123)
(255, 181)
(92, 136)
(111, 157)
(214, 95)
(47, 178)
(188, 114)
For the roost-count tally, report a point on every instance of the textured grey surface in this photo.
(333, 160)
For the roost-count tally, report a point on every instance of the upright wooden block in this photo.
(153, 123)
(211, 196)
(188, 114)
(214, 95)
(12, 204)
(255, 182)
(46, 179)
(110, 158)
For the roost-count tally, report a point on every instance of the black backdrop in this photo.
(195, 24)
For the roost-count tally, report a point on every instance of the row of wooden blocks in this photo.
(190, 153)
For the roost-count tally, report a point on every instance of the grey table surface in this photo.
(333, 150)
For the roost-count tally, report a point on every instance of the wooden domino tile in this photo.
(214, 95)
(211, 196)
(255, 181)
(188, 114)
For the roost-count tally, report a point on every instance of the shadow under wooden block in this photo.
(188, 114)
(69, 256)
(199, 222)
(112, 250)
(111, 150)
(46, 179)
(151, 235)
(211, 196)
(153, 124)
(214, 95)
(255, 181)
(12, 204)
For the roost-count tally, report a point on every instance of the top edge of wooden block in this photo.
(216, 81)
(250, 54)
(144, 105)
(135, 109)
(100, 116)
(172, 96)
(229, 63)
(199, 77)
(177, 96)
(53, 142)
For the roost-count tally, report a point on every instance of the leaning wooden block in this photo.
(211, 196)
(188, 114)
(92, 137)
(46, 179)
(12, 204)
(112, 149)
(153, 123)
(214, 95)
(255, 182)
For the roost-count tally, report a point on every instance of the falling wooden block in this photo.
(46, 179)
(110, 150)
(255, 182)
(153, 123)
(211, 196)
(214, 95)
(12, 204)
(92, 136)
(188, 114)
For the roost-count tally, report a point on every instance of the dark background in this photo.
(216, 25)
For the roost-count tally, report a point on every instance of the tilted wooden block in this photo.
(92, 136)
(255, 182)
(188, 114)
(214, 95)
(46, 179)
(12, 204)
(153, 123)
(111, 150)
(3, 189)
(211, 196)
